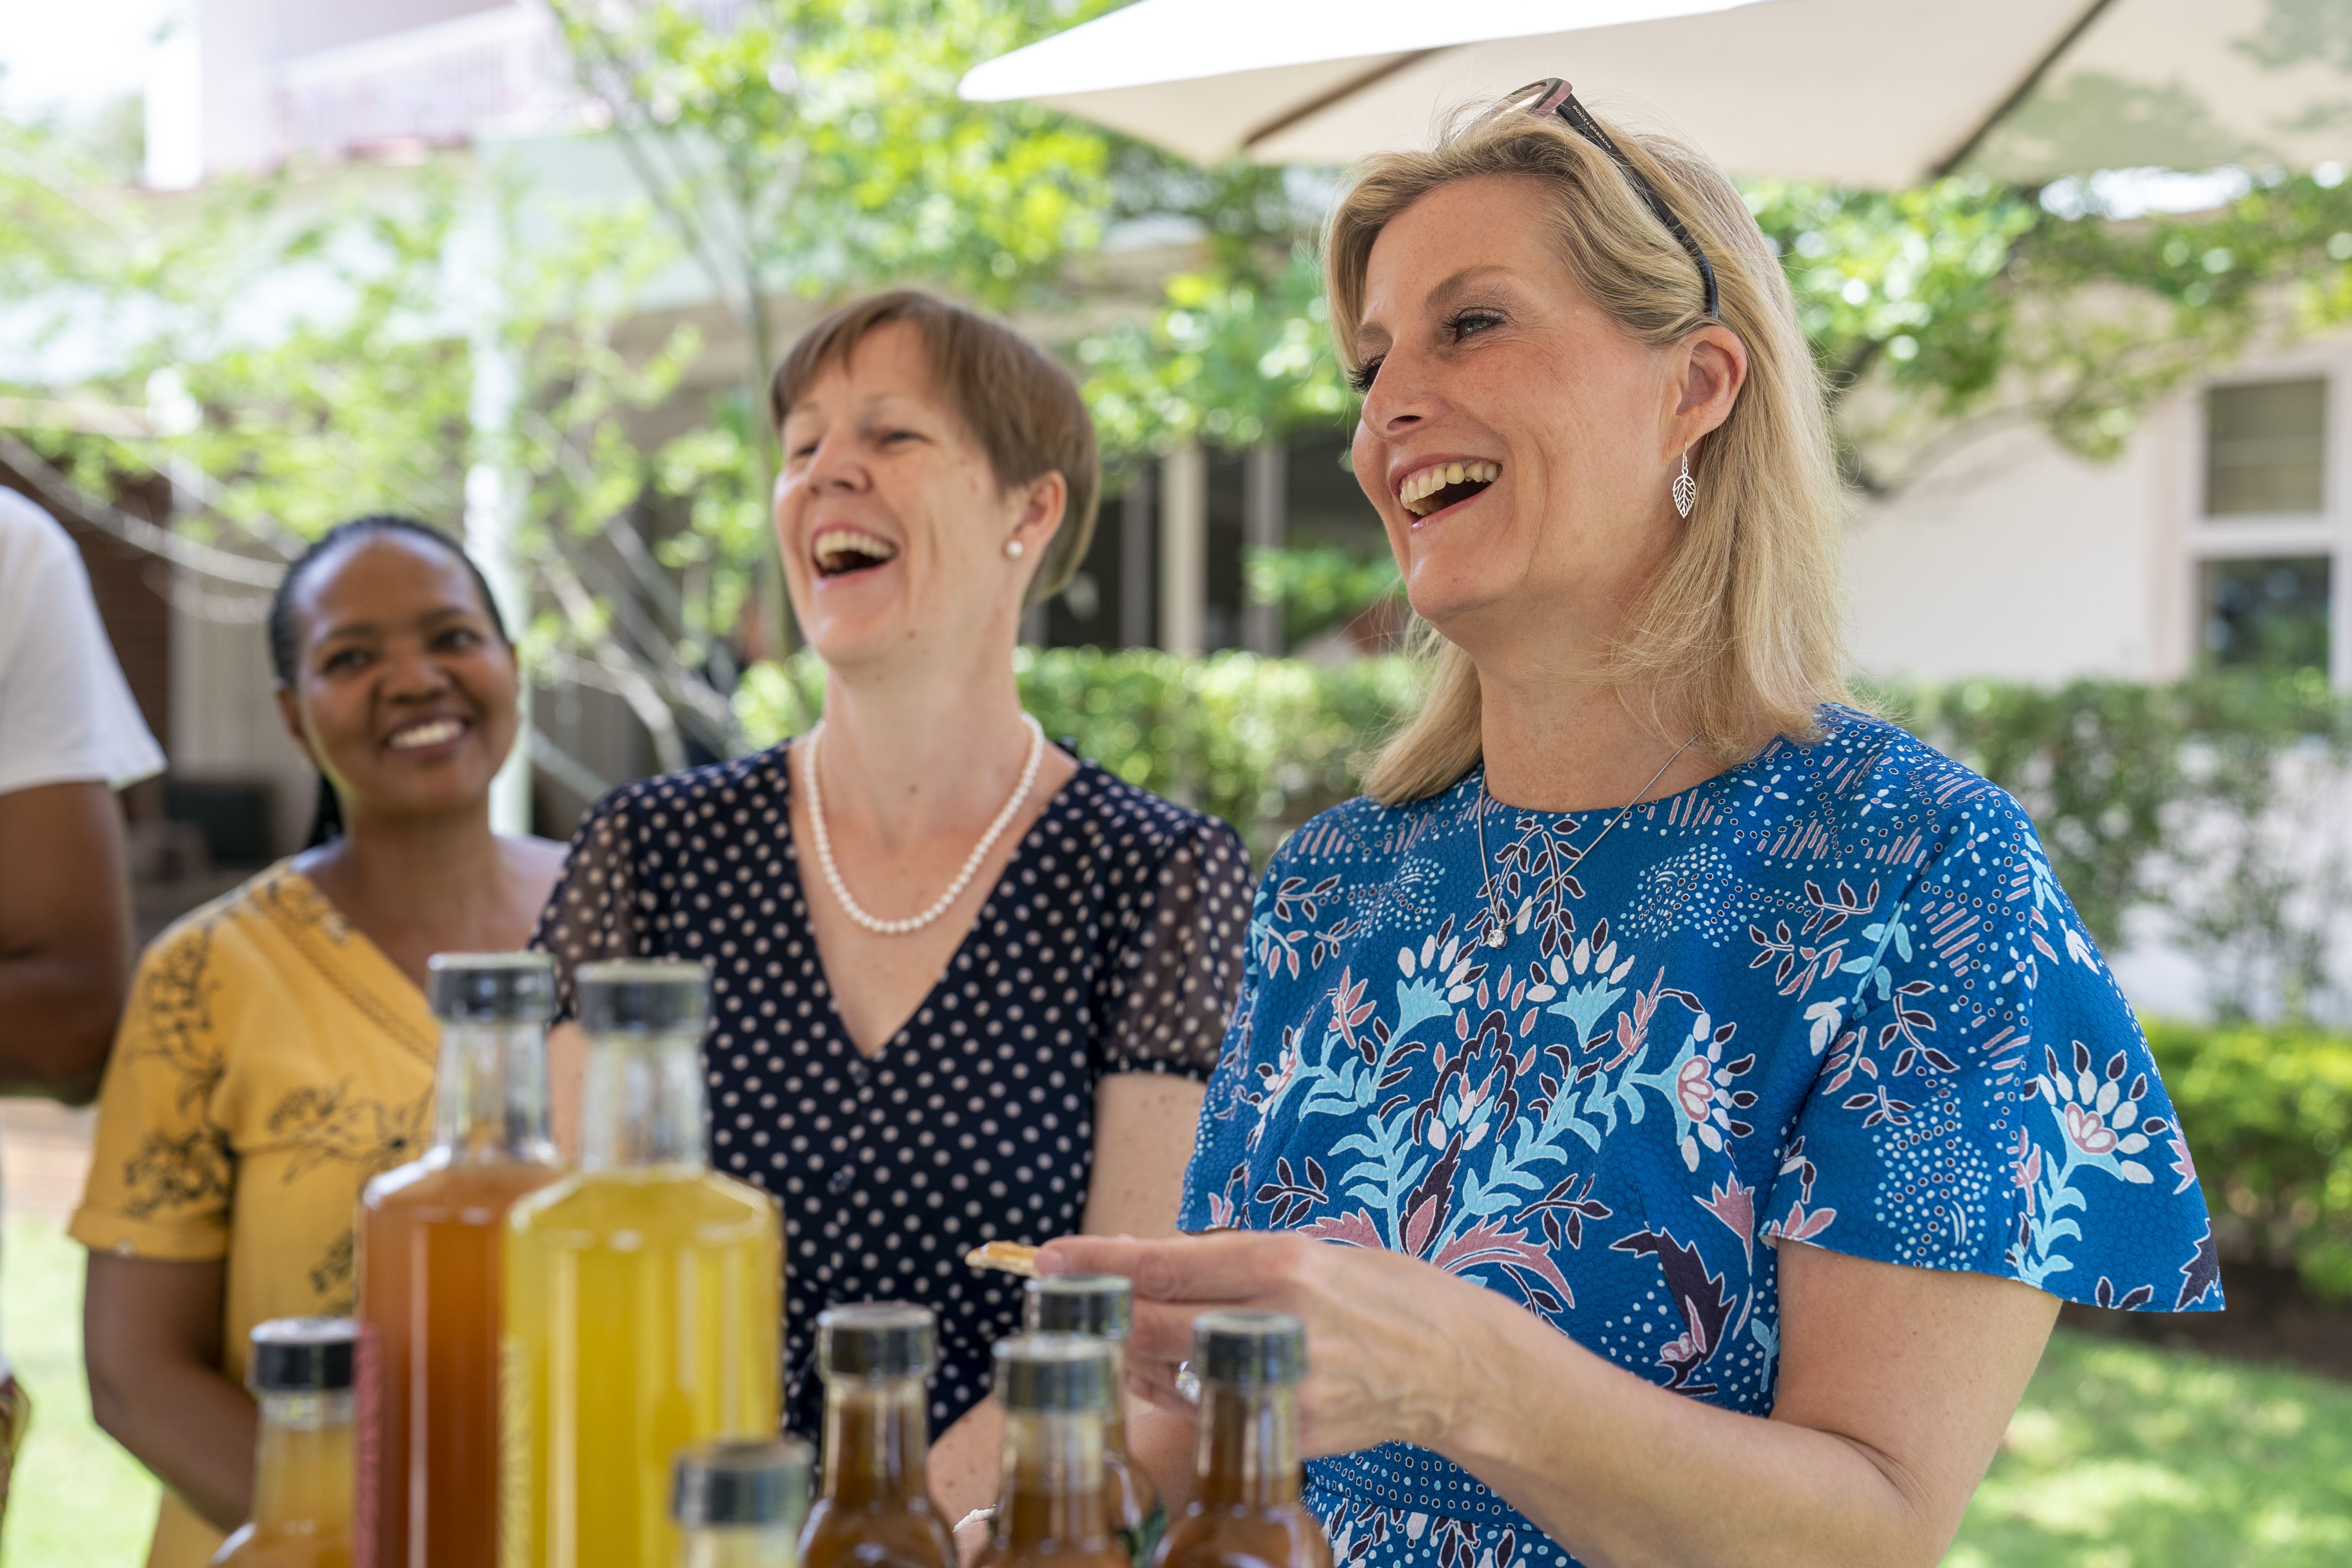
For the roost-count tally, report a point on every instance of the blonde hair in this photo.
(1742, 624)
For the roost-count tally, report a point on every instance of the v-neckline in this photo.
(1055, 804)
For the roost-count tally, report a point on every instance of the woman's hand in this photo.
(1393, 1345)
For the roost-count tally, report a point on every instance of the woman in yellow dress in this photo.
(277, 1050)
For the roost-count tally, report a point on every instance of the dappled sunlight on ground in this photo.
(2124, 1456)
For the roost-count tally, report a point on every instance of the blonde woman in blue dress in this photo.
(1676, 1101)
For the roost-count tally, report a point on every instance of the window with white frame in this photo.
(2265, 541)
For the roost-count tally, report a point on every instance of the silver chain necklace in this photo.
(972, 863)
(1497, 932)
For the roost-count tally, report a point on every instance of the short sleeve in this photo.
(66, 713)
(1165, 994)
(1986, 1100)
(160, 1173)
(594, 913)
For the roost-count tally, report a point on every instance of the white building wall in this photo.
(2014, 559)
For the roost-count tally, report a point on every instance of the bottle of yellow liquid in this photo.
(300, 1372)
(645, 1293)
(740, 1505)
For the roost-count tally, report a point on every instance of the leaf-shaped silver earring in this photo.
(1685, 488)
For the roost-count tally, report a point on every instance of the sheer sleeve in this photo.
(1166, 993)
(594, 913)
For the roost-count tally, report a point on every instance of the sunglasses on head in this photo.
(1556, 97)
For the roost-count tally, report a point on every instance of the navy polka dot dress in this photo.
(1112, 943)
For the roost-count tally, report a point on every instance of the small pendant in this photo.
(1494, 937)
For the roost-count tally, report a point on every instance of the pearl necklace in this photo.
(971, 865)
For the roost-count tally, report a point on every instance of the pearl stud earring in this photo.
(1014, 549)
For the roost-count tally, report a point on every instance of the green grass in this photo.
(2122, 1456)
(77, 1501)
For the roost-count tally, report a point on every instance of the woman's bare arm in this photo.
(151, 1337)
(1895, 1387)
(1143, 1139)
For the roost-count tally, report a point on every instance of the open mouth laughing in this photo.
(839, 552)
(1432, 489)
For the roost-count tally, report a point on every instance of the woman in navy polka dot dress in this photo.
(965, 987)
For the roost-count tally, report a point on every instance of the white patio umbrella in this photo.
(1868, 93)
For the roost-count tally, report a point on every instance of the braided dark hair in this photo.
(327, 819)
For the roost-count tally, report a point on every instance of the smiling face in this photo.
(404, 694)
(1518, 445)
(892, 524)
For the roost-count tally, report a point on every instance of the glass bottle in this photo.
(300, 1372)
(431, 1269)
(1058, 1391)
(873, 1507)
(740, 1505)
(1103, 1305)
(1245, 1506)
(644, 1306)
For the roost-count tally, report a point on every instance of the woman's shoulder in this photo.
(1139, 828)
(1864, 775)
(228, 928)
(1363, 837)
(756, 781)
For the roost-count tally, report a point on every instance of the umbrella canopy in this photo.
(1864, 92)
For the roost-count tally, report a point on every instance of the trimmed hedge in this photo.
(2266, 1111)
(1263, 742)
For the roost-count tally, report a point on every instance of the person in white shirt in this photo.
(71, 736)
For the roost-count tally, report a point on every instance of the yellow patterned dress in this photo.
(271, 1061)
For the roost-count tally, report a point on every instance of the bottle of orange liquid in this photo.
(1245, 1504)
(1103, 1305)
(644, 1294)
(432, 1250)
(300, 1372)
(1058, 1391)
(874, 1505)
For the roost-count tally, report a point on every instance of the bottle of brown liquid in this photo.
(431, 1261)
(1058, 1391)
(1246, 1506)
(300, 1374)
(1103, 1305)
(873, 1507)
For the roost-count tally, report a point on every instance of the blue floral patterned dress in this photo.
(1834, 993)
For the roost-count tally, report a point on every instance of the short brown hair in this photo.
(1021, 407)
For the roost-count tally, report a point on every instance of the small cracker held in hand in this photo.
(1007, 1256)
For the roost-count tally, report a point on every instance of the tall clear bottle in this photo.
(1058, 1391)
(300, 1372)
(645, 1293)
(1103, 1305)
(740, 1505)
(431, 1271)
(873, 1507)
(1246, 1505)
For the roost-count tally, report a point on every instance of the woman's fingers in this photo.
(1230, 1269)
